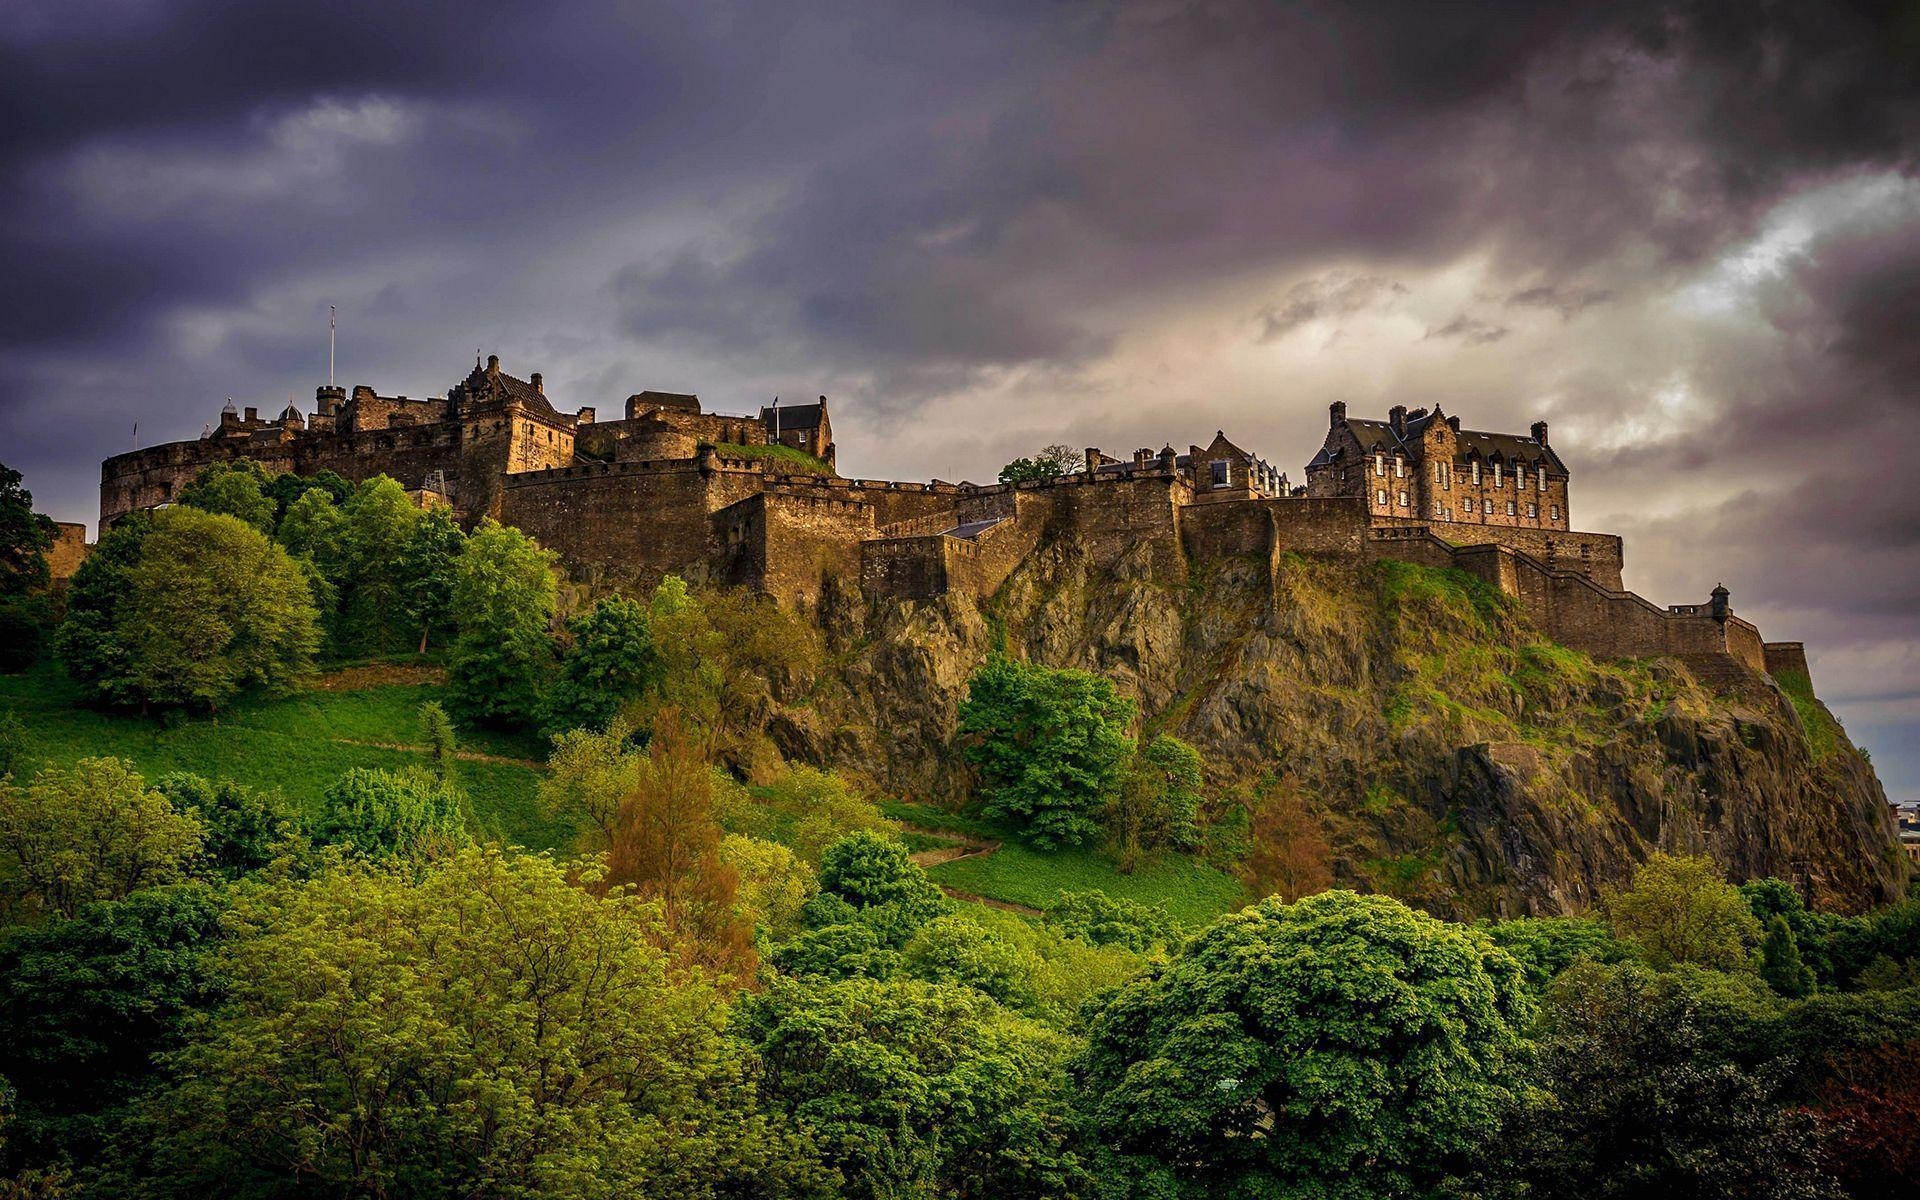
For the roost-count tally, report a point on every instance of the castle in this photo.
(753, 500)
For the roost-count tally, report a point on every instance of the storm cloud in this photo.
(1685, 233)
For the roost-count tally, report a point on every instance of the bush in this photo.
(376, 814)
(1102, 920)
(245, 828)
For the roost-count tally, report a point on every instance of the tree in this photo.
(13, 742)
(288, 487)
(246, 829)
(612, 660)
(1287, 851)
(957, 949)
(189, 613)
(378, 814)
(478, 1026)
(25, 537)
(428, 564)
(664, 843)
(917, 1089)
(24, 624)
(1546, 946)
(86, 1003)
(503, 599)
(236, 488)
(1155, 805)
(380, 522)
(1048, 745)
(1870, 1107)
(817, 808)
(1343, 1046)
(588, 776)
(93, 831)
(1050, 463)
(1780, 963)
(873, 880)
(437, 728)
(1680, 910)
(774, 884)
(1637, 1100)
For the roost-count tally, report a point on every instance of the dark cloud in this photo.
(984, 224)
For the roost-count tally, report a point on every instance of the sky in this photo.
(1685, 234)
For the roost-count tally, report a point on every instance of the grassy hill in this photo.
(357, 717)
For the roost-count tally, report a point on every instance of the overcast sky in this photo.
(1687, 235)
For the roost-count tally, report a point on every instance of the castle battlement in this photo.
(672, 488)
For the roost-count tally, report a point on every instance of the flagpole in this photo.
(331, 324)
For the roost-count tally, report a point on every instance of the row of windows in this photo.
(1445, 472)
(1445, 512)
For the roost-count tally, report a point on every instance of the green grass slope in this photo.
(298, 744)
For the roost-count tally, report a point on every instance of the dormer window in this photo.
(1399, 467)
(1379, 464)
(1474, 466)
(1496, 474)
(1543, 477)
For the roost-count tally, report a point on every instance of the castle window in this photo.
(1379, 464)
(1555, 511)
(1510, 511)
(1403, 500)
(1380, 498)
(1496, 474)
(1475, 466)
(1543, 478)
(1489, 509)
(1533, 511)
(1399, 467)
(1219, 473)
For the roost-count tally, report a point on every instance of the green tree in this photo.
(1637, 1099)
(13, 742)
(1050, 463)
(1343, 1046)
(873, 880)
(25, 537)
(957, 949)
(1157, 800)
(917, 1089)
(93, 831)
(288, 487)
(236, 488)
(1048, 745)
(86, 1003)
(377, 814)
(25, 622)
(612, 660)
(202, 609)
(503, 599)
(478, 1027)
(437, 728)
(427, 567)
(380, 522)
(1681, 910)
(87, 641)
(1780, 963)
(246, 828)
(774, 886)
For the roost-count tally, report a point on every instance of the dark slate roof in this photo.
(1378, 437)
(795, 416)
(483, 385)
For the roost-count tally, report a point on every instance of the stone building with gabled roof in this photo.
(1421, 465)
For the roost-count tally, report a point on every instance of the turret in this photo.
(1718, 606)
(327, 400)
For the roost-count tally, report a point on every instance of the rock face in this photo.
(1456, 757)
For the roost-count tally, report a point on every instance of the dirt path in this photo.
(462, 755)
(352, 679)
(967, 847)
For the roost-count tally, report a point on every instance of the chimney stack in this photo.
(1540, 432)
(1336, 414)
(539, 383)
(253, 414)
(1397, 419)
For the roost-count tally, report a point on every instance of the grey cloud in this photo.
(1325, 297)
(1471, 331)
(1569, 300)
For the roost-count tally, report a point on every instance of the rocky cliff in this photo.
(1456, 757)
